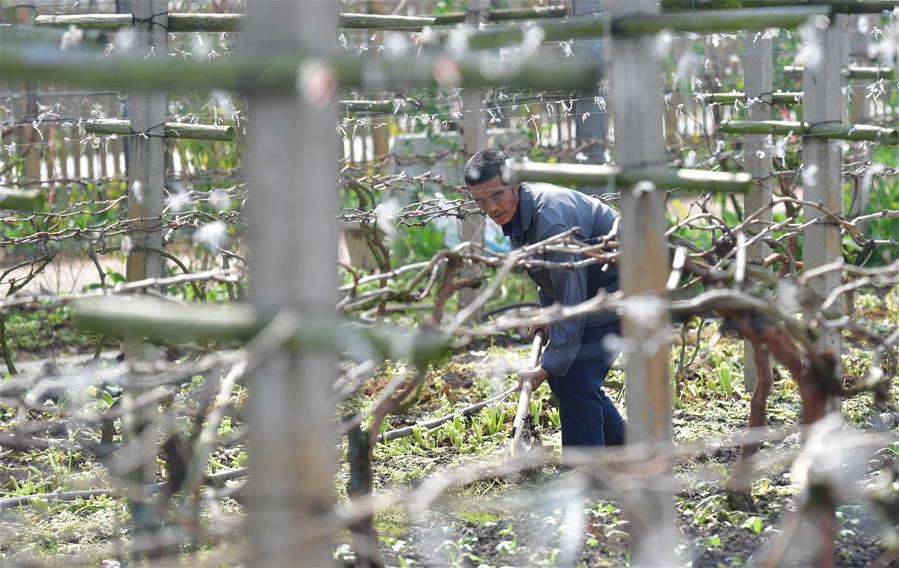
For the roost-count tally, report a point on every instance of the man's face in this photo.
(498, 201)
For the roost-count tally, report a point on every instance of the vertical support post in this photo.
(77, 151)
(145, 200)
(594, 129)
(365, 536)
(62, 153)
(859, 55)
(116, 150)
(474, 139)
(672, 117)
(822, 161)
(758, 160)
(50, 164)
(75, 148)
(91, 157)
(29, 137)
(293, 258)
(124, 7)
(103, 154)
(380, 132)
(637, 110)
(147, 153)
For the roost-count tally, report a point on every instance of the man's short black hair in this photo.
(484, 166)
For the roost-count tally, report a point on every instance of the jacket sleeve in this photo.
(570, 285)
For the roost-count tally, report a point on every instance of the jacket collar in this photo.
(519, 224)
(525, 206)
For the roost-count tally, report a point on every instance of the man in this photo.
(576, 360)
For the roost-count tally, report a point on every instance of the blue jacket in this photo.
(545, 210)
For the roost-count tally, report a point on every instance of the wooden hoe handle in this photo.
(524, 399)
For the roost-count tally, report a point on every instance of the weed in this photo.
(476, 438)
(534, 406)
(455, 432)
(479, 518)
(753, 523)
(494, 418)
(459, 550)
(421, 437)
(35, 483)
(554, 417)
(724, 378)
(507, 545)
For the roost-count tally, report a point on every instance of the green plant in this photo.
(240, 459)
(458, 550)
(753, 523)
(61, 466)
(554, 417)
(725, 381)
(476, 438)
(534, 406)
(494, 419)
(421, 437)
(417, 243)
(507, 545)
(455, 432)
(35, 483)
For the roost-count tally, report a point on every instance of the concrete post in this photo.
(637, 108)
(758, 159)
(821, 162)
(594, 129)
(145, 200)
(474, 136)
(293, 258)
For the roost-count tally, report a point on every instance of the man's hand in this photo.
(536, 375)
(534, 329)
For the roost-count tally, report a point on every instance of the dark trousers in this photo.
(588, 415)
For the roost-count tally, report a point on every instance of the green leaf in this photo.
(725, 378)
(114, 276)
(107, 398)
(754, 524)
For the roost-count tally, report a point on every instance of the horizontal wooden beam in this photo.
(280, 71)
(178, 22)
(208, 22)
(137, 317)
(142, 317)
(506, 14)
(851, 72)
(172, 129)
(187, 22)
(777, 97)
(719, 20)
(597, 175)
(385, 22)
(707, 21)
(835, 131)
(20, 200)
(502, 36)
(838, 6)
